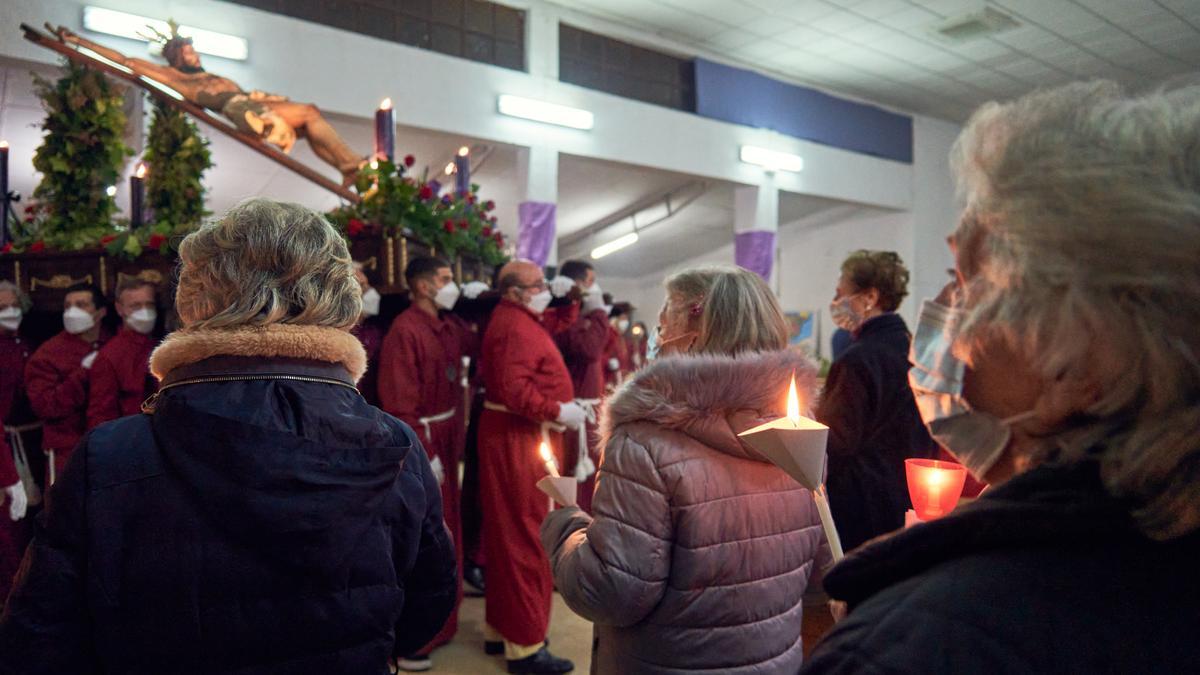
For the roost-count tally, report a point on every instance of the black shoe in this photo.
(475, 586)
(541, 662)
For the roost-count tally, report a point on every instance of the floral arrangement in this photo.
(395, 203)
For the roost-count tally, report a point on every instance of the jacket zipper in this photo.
(149, 404)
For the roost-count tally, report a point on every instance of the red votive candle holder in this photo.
(934, 486)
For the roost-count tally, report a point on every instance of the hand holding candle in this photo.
(562, 490)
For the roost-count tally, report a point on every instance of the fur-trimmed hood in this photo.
(316, 343)
(712, 398)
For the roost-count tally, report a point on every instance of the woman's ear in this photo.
(872, 298)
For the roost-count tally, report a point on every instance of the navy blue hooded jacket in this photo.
(246, 526)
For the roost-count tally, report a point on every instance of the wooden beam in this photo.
(164, 93)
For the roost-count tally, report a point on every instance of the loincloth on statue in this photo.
(252, 117)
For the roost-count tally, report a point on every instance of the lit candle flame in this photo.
(450, 168)
(4, 145)
(374, 164)
(386, 104)
(548, 458)
(464, 151)
(141, 170)
(793, 402)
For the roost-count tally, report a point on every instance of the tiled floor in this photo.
(570, 637)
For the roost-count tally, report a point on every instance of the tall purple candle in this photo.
(385, 131)
(462, 171)
(137, 191)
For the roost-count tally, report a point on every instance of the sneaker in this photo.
(542, 661)
(417, 663)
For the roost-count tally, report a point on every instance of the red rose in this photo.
(29, 209)
(486, 231)
(498, 238)
(426, 192)
(37, 247)
(470, 199)
(7, 248)
(107, 239)
(409, 160)
(448, 226)
(354, 227)
(489, 205)
(156, 240)
(462, 224)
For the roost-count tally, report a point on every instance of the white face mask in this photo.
(447, 295)
(76, 321)
(975, 438)
(142, 320)
(622, 325)
(10, 318)
(370, 302)
(844, 314)
(538, 303)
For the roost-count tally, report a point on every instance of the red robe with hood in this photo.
(523, 371)
(57, 385)
(419, 377)
(120, 378)
(14, 536)
(582, 345)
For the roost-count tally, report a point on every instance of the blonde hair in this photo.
(732, 309)
(1083, 220)
(266, 262)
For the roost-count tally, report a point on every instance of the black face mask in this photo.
(189, 70)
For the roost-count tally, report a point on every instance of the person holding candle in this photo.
(260, 517)
(699, 550)
(873, 421)
(420, 382)
(1065, 374)
(120, 378)
(529, 401)
(56, 377)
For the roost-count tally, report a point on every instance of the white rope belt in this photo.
(21, 459)
(584, 466)
(428, 422)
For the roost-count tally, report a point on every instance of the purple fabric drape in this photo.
(536, 233)
(755, 250)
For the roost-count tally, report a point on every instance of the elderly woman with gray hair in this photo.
(260, 516)
(1066, 373)
(700, 549)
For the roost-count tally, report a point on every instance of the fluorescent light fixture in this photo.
(541, 111)
(614, 245)
(772, 160)
(122, 24)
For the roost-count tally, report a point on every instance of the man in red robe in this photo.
(14, 352)
(420, 382)
(370, 331)
(528, 390)
(582, 345)
(120, 378)
(617, 363)
(56, 378)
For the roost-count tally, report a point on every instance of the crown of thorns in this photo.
(169, 42)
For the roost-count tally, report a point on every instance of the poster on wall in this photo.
(802, 331)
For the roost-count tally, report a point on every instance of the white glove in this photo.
(439, 471)
(89, 359)
(560, 286)
(592, 301)
(473, 289)
(16, 493)
(614, 365)
(570, 415)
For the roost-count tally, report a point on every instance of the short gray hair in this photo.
(23, 300)
(267, 262)
(1085, 204)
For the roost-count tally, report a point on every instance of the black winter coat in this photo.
(251, 526)
(1044, 574)
(874, 426)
